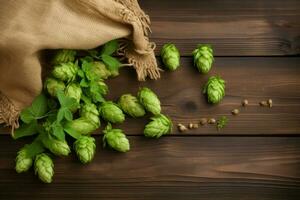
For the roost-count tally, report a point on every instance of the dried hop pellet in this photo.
(215, 89)
(116, 139)
(158, 126)
(149, 100)
(203, 58)
(170, 56)
(131, 106)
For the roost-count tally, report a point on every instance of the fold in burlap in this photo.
(29, 26)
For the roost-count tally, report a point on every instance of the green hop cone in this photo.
(131, 106)
(82, 126)
(73, 90)
(215, 89)
(65, 71)
(85, 148)
(98, 71)
(203, 58)
(52, 85)
(64, 56)
(44, 167)
(149, 100)
(160, 125)
(170, 56)
(96, 90)
(89, 111)
(110, 112)
(23, 161)
(116, 139)
(57, 147)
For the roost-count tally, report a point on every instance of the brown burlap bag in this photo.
(29, 26)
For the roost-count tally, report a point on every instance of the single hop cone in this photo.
(149, 100)
(82, 126)
(57, 147)
(53, 85)
(116, 139)
(65, 71)
(203, 58)
(23, 161)
(96, 90)
(98, 71)
(215, 89)
(160, 125)
(85, 148)
(73, 90)
(110, 112)
(131, 106)
(64, 56)
(89, 111)
(170, 56)
(44, 167)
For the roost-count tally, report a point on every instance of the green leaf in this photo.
(84, 83)
(86, 59)
(110, 47)
(80, 73)
(26, 130)
(58, 131)
(61, 114)
(35, 148)
(67, 102)
(111, 62)
(39, 106)
(73, 133)
(68, 115)
(27, 116)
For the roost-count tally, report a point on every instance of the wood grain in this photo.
(172, 167)
(234, 28)
(255, 79)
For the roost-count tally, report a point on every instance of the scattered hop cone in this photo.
(82, 125)
(215, 89)
(98, 71)
(131, 106)
(170, 56)
(57, 147)
(116, 139)
(89, 111)
(110, 112)
(149, 100)
(64, 56)
(53, 85)
(44, 167)
(65, 71)
(160, 125)
(23, 161)
(85, 148)
(203, 58)
(73, 90)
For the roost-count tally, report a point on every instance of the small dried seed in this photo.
(263, 103)
(191, 125)
(182, 128)
(203, 121)
(195, 126)
(245, 102)
(235, 111)
(212, 121)
(270, 102)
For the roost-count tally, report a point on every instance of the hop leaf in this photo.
(89, 111)
(96, 90)
(53, 85)
(65, 71)
(116, 139)
(131, 106)
(203, 58)
(85, 148)
(170, 56)
(215, 89)
(160, 125)
(64, 56)
(23, 161)
(110, 112)
(149, 100)
(44, 167)
(73, 90)
(57, 147)
(81, 125)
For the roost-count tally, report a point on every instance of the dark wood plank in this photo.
(172, 167)
(233, 27)
(256, 79)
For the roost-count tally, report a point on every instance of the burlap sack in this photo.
(29, 26)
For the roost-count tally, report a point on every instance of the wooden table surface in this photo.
(257, 156)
